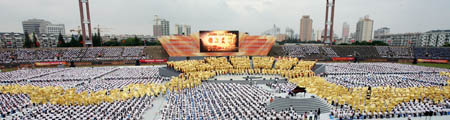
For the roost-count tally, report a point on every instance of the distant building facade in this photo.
(12, 40)
(48, 40)
(40, 26)
(345, 32)
(306, 28)
(435, 38)
(401, 39)
(161, 27)
(364, 29)
(56, 29)
(382, 31)
(182, 29)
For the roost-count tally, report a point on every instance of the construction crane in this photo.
(102, 29)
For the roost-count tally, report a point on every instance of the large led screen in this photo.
(219, 41)
(178, 45)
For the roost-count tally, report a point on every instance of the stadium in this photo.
(225, 75)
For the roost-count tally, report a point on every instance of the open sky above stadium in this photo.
(253, 16)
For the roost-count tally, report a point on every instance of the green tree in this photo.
(446, 44)
(96, 40)
(61, 42)
(27, 43)
(135, 41)
(379, 43)
(112, 42)
(74, 42)
(99, 38)
(80, 41)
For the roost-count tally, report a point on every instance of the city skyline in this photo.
(253, 16)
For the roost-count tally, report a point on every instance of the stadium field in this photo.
(447, 66)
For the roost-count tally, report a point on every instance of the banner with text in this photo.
(431, 61)
(153, 60)
(342, 58)
(49, 63)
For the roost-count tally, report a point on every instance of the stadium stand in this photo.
(360, 51)
(432, 53)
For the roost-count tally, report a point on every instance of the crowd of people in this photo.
(223, 101)
(357, 90)
(300, 51)
(385, 90)
(74, 93)
(23, 55)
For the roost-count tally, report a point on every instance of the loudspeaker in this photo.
(138, 63)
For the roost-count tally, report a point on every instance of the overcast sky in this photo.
(253, 16)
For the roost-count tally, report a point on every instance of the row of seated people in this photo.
(393, 80)
(360, 51)
(131, 109)
(357, 68)
(301, 51)
(77, 74)
(394, 52)
(71, 54)
(405, 109)
(432, 53)
(25, 74)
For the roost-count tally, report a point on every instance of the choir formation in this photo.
(357, 90)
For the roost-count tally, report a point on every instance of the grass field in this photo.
(433, 65)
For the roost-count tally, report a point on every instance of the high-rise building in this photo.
(182, 29)
(40, 26)
(306, 28)
(364, 29)
(161, 27)
(37, 26)
(345, 31)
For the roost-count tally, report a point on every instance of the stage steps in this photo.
(300, 105)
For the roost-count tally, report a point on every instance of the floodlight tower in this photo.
(85, 42)
(329, 23)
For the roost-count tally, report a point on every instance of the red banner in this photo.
(432, 61)
(49, 63)
(342, 58)
(152, 60)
